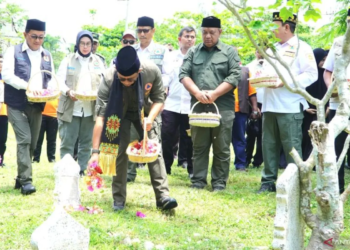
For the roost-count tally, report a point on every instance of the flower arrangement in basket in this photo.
(261, 79)
(208, 120)
(46, 94)
(83, 94)
(145, 151)
(93, 178)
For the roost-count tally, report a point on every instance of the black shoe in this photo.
(217, 189)
(52, 160)
(267, 187)
(82, 173)
(167, 203)
(196, 186)
(2, 165)
(242, 170)
(118, 206)
(35, 161)
(28, 189)
(129, 180)
(17, 184)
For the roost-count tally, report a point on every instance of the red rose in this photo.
(98, 170)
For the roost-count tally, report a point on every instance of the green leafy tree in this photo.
(53, 44)
(12, 18)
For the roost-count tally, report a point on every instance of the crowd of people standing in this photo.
(148, 86)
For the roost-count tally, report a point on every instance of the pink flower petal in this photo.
(140, 214)
(90, 188)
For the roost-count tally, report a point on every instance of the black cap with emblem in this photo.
(127, 61)
(276, 17)
(35, 24)
(211, 22)
(145, 21)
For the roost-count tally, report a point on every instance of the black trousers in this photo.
(339, 145)
(50, 126)
(306, 145)
(3, 136)
(171, 122)
(252, 135)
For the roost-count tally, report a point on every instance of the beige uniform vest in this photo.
(66, 105)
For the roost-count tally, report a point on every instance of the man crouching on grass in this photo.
(127, 93)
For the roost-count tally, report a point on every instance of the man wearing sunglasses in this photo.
(21, 62)
(147, 49)
(129, 38)
(124, 99)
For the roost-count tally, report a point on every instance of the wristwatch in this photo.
(255, 112)
(95, 151)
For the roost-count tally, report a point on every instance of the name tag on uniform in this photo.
(71, 70)
(20, 58)
(289, 53)
(156, 57)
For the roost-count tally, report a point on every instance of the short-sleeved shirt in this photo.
(209, 68)
(251, 91)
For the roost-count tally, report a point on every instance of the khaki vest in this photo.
(66, 105)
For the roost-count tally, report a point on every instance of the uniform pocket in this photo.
(220, 65)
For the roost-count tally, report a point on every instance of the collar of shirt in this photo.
(26, 47)
(148, 48)
(292, 41)
(80, 58)
(217, 45)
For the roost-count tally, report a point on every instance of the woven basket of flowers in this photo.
(145, 151)
(86, 95)
(205, 119)
(46, 94)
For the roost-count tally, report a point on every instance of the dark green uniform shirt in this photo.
(209, 68)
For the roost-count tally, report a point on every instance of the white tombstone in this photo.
(60, 231)
(67, 176)
(289, 224)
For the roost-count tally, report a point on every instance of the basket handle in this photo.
(216, 107)
(43, 71)
(144, 136)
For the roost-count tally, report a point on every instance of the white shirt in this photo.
(81, 108)
(253, 67)
(8, 69)
(304, 69)
(179, 99)
(329, 65)
(145, 54)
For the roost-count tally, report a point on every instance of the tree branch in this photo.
(305, 189)
(232, 7)
(344, 152)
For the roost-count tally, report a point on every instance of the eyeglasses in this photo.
(125, 41)
(82, 44)
(188, 37)
(145, 31)
(35, 37)
(126, 79)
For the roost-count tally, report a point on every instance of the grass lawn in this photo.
(236, 218)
